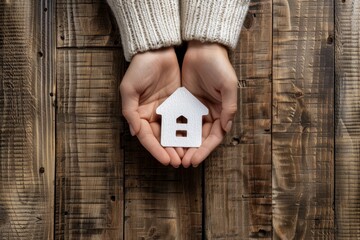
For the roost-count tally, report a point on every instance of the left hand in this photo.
(208, 74)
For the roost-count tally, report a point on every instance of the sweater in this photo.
(152, 24)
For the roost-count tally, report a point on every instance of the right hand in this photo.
(151, 78)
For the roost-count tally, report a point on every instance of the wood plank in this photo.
(303, 131)
(160, 202)
(238, 173)
(89, 176)
(84, 23)
(26, 121)
(347, 158)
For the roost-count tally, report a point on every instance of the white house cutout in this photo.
(181, 119)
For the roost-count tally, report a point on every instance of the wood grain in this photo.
(89, 176)
(160, 202)
(272, 178)
(84, 23)
(347, 158)
(26, 122)
(303, 131)
(238, 173)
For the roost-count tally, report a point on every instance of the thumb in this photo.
(133, 119)
(130, 105)
(229, 106)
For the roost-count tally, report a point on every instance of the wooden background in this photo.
(290, 168)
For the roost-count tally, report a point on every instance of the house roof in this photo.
(182, 102)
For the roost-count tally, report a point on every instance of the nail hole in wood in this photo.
(40, 54)
(298, 94)
(235, 140)
(330, 39)
(249, 20)
(45, 9)
(42, 170)
(51, 94)
(113, 198)
(261, 233)
(62, 37)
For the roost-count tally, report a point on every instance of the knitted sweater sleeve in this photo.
(147, 24)
(217, 21)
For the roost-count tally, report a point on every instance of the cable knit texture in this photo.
(147, 24)
(213, 20)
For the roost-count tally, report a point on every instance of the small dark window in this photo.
(182, 119)
(181, 133)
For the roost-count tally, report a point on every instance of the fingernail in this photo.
(132, 132)
(195, 165)
(228, 126)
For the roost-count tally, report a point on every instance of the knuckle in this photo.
(123, 87)
(126, 113)
(232, 109)
(233, 79)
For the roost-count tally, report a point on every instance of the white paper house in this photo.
(181, 119)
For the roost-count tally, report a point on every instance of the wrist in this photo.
(207, 47)
(157, 52)
(156, 57)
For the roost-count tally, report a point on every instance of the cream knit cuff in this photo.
(147, 24)
(213, 20)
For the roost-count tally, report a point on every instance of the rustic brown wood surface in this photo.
(89, 161)
(282, 173)
(84, 23)
(89, 186)
(26, 122)
(160, 202)
(238, 174)
(347, 164)
(303, 133)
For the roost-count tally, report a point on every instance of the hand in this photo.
(151, 78)
(208, 74)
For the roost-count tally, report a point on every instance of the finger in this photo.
(229, 105)
(148, 140)
(180, 151)
(175, 160)
(186, 161)
(206, 129)
(210, 143)
(175, 153)
(156, 129)
(130, 105)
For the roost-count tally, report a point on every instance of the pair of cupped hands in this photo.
(154, 75)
